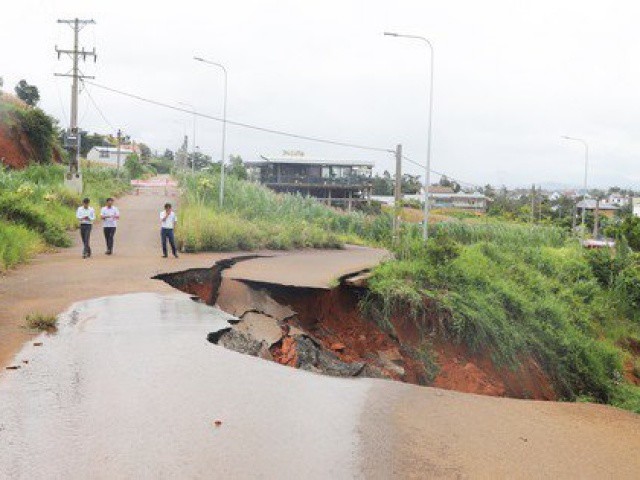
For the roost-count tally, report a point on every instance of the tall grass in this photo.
(17, 245)
(255, 217)
(37, 210)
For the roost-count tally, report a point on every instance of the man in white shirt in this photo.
(110, 216)
(86, 215)
(168, 221)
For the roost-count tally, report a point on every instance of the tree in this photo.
(168, 154)
(145, 152)
(27, 93)
(199, 160)
(133, 165)
(237, 168)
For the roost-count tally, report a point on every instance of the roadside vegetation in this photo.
(522, 292)
(254, 217)
(37, 211)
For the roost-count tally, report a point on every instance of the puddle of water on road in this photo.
(130, 387)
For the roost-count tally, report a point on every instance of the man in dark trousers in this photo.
(168, 221)
(86, 215)
(110, 216)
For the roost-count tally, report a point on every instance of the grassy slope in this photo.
(519, 291)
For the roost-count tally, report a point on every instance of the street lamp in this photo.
(224, 124)
(586, 167)
(193, 140)
(427, 173)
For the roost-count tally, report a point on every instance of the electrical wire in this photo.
(98, 108)
(241, 124)
(461, 182)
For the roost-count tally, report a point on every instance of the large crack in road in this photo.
(314, 329)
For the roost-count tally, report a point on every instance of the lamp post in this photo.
(193, 139)
(586, 167)
(427, 173)
(224, 124)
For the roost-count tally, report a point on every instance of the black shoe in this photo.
(164, 256)
(84, 255)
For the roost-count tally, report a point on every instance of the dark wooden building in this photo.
(335, 182)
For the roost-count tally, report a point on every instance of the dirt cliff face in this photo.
(16, 150)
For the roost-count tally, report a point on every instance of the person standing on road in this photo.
(110, 216)
(168, 221)
(86, 215)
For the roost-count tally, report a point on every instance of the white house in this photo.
(636, 206)
(617, 199)
(109, 155)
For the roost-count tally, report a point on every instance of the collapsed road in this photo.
(304, 323)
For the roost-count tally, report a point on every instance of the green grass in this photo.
(254, 217)
(517, 292)
(17, 245)
(40, 321)
(36, 209)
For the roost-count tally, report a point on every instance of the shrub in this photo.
(40, 321)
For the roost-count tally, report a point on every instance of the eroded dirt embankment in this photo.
(324, 330)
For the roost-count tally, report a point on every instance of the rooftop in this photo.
(302, 160)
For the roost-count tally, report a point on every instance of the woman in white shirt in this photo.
(168, 221)
(86, 215)
(110, 216)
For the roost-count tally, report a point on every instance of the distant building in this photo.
(605, 209)
(635, 203)
(617, 199)
(444, 197)
(335, 182)
(109, 155)
(475, 201)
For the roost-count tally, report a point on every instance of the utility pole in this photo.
(533, 203)
(397, 194)
(73, 135)
(118, 151)
(596, 220)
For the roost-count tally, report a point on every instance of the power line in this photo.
(241, 124)
(98, 109)
(461, 182)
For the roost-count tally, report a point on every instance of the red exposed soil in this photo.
(15, 150)
(332, 317)
(478, 374)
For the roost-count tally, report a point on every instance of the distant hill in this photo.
(27, 135)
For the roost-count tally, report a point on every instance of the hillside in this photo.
(27, 135)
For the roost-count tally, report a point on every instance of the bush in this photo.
(40, 321)
(41, 132)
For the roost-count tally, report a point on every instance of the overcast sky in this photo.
(510, 78)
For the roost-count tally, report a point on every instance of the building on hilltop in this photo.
(339, 182)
